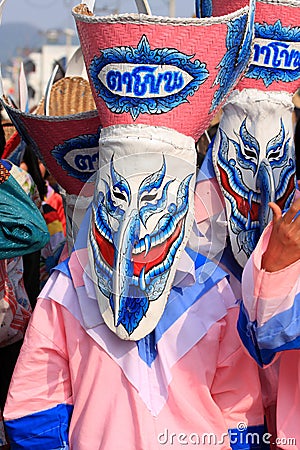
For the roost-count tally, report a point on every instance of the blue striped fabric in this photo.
(179, 301)
(281, 332)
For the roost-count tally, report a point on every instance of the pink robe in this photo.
(77, 385)
(269, 325)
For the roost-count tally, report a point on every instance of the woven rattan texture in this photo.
(206, 44)
(271, 14)
(45, 133)
(69, 95)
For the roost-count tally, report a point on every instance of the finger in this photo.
(292, 211)
(296, 203)
(296, 220)
(277, 213)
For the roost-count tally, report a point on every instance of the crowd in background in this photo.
(24, 274)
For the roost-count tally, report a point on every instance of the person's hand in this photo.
(284, 244)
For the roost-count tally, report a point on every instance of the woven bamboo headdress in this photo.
(66, 137)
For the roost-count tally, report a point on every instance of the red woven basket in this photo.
(67, 140)
(129, 58)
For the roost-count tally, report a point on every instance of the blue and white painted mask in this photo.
(141, 218)
(254, 161)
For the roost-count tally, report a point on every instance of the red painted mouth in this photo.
(243, 205)
(290, 188)
(154, 257)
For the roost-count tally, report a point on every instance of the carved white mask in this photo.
(141, 217)
(254, 161)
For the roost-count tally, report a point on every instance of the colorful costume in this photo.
(54, 199)
(252, 159)
(51, 252)
(150, 385)
(251, 163)
(268, 326)
(133, 342)
(21, 228)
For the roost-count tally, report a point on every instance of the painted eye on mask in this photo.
(149, 197)
(250, 153)
(274, 155)
(118, 189)
(277, 151)
(153, 194)
(247, 153)
(119, 195)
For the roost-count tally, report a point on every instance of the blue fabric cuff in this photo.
(246, 438)
(246, 330)
(43, 430)
(280, 333)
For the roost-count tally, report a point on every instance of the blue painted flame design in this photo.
(152, 82)
(281, 58)
(249, 206)
(85, 155)
(133, 270)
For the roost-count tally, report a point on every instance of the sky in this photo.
(48, 14)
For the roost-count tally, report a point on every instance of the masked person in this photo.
(22, 228)
(268, 318)
(252, 160)
(133, 342)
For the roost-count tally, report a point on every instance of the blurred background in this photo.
(42, 34)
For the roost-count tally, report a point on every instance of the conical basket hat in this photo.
(275, 64)
(159, 71)
(67, 139)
